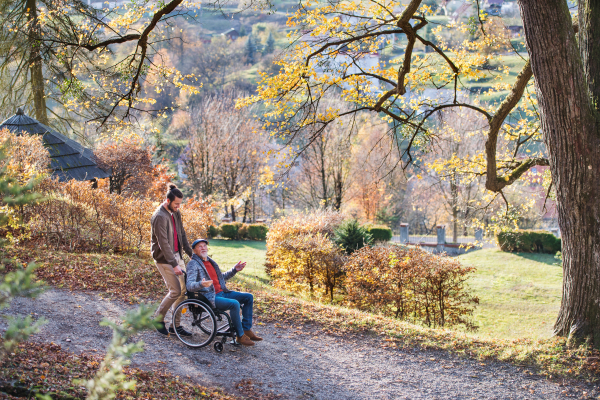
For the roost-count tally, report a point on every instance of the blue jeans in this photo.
(231, 301)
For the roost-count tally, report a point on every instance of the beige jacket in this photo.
(162, 237)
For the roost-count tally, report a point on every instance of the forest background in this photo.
(216, 151)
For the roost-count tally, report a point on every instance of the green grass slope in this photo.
(519, 293)
(228, 252)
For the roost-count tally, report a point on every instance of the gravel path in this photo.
(296, 362)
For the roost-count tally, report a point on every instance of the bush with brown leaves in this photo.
(410, 284)
(76, 217)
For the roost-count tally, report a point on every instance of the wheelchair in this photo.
(204, 323)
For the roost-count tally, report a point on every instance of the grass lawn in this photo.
(519, 293)
(228, 252)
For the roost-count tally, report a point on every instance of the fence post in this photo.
(441, 237)
(479, 235)
(404, 233)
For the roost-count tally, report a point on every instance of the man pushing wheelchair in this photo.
(204, 276)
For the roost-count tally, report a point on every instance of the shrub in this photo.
(24, 163)
(324, 222)
(308, 260)
(301, 253)
(243, 231)
(351, 236)
(196, 215)
(529, 241)
(257, 231)
(411, 284)
(229, 231)
(213, 231)
(380, 233)
(76, 217)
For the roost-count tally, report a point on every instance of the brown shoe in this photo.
(252, 336)
(245, 340)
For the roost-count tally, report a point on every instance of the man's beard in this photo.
(169, 207)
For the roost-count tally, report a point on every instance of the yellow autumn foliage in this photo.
(301, 254)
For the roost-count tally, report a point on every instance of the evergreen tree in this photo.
(351, 236)
(243, 31)
(270, 45)
(250, 49)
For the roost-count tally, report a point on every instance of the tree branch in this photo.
(492, 182)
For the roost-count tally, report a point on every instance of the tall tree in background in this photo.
(270, 44)
(226, 151)
(460, 134)
(73, 63)
(376, 186)
(130, 166)
(250, 49)
(567, 87)
(325, 168)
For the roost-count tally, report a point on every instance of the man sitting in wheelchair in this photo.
(204, 276)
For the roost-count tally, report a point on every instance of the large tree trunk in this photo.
(35, 65)
(569, 121)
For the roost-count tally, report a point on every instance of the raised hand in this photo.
(240, 266)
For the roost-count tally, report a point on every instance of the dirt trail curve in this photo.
(296, 366)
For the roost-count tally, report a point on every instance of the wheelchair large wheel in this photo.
(198, 319)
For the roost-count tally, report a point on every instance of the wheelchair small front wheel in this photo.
(218, 347)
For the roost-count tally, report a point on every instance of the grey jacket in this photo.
(162, 237)
(196, 271)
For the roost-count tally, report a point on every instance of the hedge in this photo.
(243, 232)
(529, 242)
(380, 233)
(257, 231)
(239, 231)
(230, 231)
(212, 232)
(410, 284)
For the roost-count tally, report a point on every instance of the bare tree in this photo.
(325, 168)
(226, 151)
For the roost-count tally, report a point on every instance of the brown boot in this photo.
(252, 336)
(245, 340)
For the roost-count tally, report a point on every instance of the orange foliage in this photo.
(27, 158)
(161, 177)
(411, 284)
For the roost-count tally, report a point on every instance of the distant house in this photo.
(232, 34)
(110, 4)
(494, 7)
(205, 38)
(515, 30)
(68, 159)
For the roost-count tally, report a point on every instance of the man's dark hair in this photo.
(173, 192)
